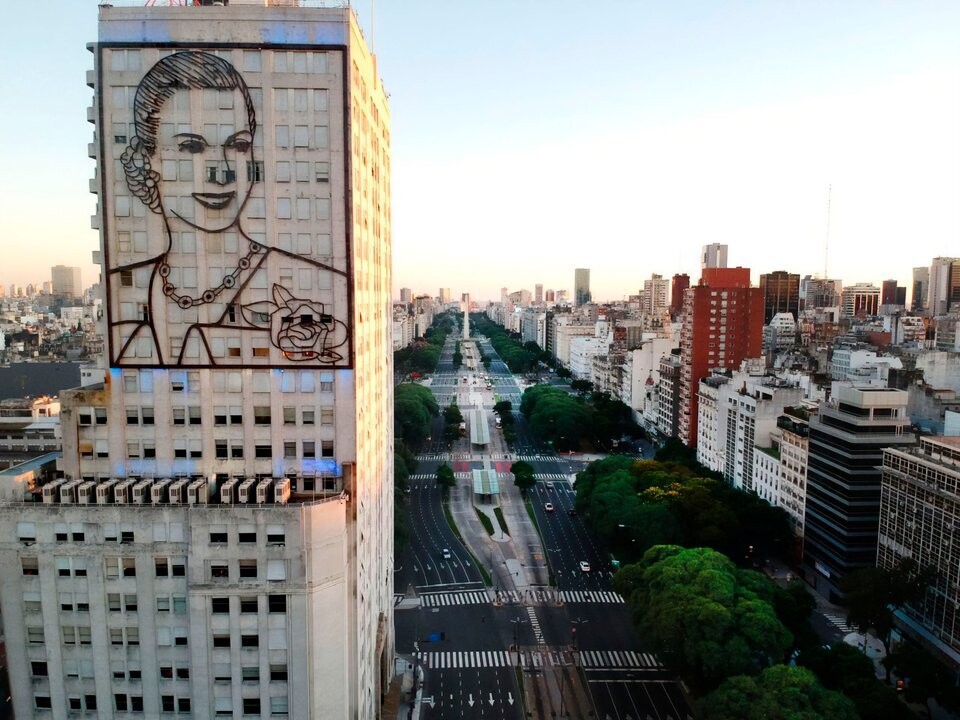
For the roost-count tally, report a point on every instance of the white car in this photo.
(446, 554)
(548, 507)
(584, 566)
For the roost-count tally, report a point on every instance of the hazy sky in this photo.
(530, 138)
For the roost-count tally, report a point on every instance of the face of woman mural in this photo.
(212, 194)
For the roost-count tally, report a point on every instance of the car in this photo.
(571, 512)
(548, 507)
(549, 485)
(584, 566)
(446, 553)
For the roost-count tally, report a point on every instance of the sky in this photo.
(531, 138)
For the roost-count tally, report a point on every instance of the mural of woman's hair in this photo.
(191, 69)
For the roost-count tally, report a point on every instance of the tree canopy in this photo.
(413, 410)
(518, 357)
(708, 617)
(523, 476)
(445, 477)
(778, 693)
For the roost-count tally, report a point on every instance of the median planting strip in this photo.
(498, 511)
(487, 580)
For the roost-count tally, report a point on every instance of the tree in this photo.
(925, 677)
(452, 414)
(778, 693)
(503, 408)
(703, 613)
(563, 373)
(523, 476)
(445, 478)
(581, 386)
(873, 594)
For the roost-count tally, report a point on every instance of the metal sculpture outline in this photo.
(301, 328)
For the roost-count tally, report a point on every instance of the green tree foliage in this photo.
(659, 502)
(457, 357)
(523, 475)
(845, 669)
(516, 356)
(413, 410)
(778, 693)
(563, 373)
(419, 356)
(445, 477)
(581, 386)
(452, 414)
(704, 614)
(926, 677)
(566, 420)
(872, 595)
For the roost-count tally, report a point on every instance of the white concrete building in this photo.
(582, 351)
(221, 544)
(533, 326)
(565, 333)
(941, 370)
(860, 364)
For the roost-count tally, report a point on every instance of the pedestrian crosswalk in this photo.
(475, 597)
(588, 659)
(627, 659)
(535, 624)
(590, 596)
(839, 621)
(550, 476)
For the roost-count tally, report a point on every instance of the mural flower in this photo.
(299, 327)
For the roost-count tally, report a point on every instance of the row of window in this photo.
(125, 535)
(304, 381)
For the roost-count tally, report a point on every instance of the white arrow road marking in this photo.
(510, 698)
(491, 699)
(470, 701)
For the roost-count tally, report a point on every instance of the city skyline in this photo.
(729, 129)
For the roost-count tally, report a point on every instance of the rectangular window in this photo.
(146, 415)
(220, 415)
(326, 448)
(220, 449)
(35, 635)
(278, 673)
(309, 450)
(133, 417)
(179, 416)
(277, 603)
(221, 641)
(276, 535)
(261, 415)
(326, 416)
(248, 568)
(219, 570)
(247, 536)
(308, 416)
(250, 673)
(248, 605)
(262, 451)
(30, 565)
(290, 450)
(220, 605)
(249, 641)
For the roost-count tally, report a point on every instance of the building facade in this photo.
(919, 520)
(722, 325)
(781, 294)
(581, 286)
(714, 255)
(65, 281)
(847, 440)
(678, 288)
(222, 544)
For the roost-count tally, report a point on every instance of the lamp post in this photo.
(573, 654)
(516, 635)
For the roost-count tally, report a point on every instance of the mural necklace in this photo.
(209, 295)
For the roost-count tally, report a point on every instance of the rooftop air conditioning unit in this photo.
(263, 491)
(158, 493)
(245, 492)
(105, 492)
(178, 491)
(86, 493)
(227, 492)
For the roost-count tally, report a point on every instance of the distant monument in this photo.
(466, 316)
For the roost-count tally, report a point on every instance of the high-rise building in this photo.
(781, 294)
(860, 300)
(846, 444)
(888, 292)
(445, 296)
(822, 293)
(944, 287)
(581, 286)
(919, 520)
(654, 296)
(221, 542)
(921, 286)
(714, 255)
(679, 285)
(550, 296)
(406, 295)
(65, 281)
(722, 325)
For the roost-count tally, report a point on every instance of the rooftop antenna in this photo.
(826, 242)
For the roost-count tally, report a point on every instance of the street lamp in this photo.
(573, 655)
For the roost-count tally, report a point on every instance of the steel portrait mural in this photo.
(211, 263)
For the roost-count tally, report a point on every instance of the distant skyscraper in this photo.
(921, 286)
(722, 325)
(822, 293)
(714, 256)
(781, 294)
(504, 295)
(538, 293)
(654, 297)
(222, 541)
(445, 296)
(581, 286)
(551, 296)
(406, 295)
(66, 281)
(681, 281)
(944, 289)
(860, 300)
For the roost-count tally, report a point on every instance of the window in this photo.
(126, 278)
(276, 570)
(35, 635)
(30, 566)
(218, 535)
(221, 641)
(166, 703)
(248, 536)
(236, 415)
(146, 415)
(126, 537)
(133, 417)
(289, 416)
(179, 416)
(136, 703)
(236, 450)
(84, 417)
(251, 706)
(42, 702)
(277, 603)
(326, 416)
(290, 450)
(38, 669)
(219, 570)
(278, 673)
(220, 449)
(261, 415)
(326, 448)
(262, 451)
(220, 415)
(248, 568)
(130, 603)
(180, 634)
(193, 415)
(249, 641)
(254, 171)
(27, 532)
(219, 605)
(308, 416)
(248, 605)
(309, 450)
(250, 673)
(163, 603)
(276, 535)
